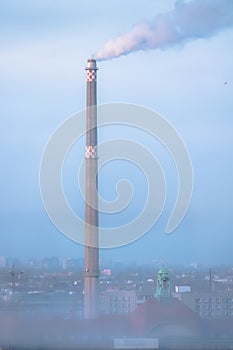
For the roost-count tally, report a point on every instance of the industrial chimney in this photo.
(91, 268)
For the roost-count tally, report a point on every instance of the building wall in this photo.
(117, 301)
(209, 304)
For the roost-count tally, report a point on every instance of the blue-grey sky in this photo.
(44, 48)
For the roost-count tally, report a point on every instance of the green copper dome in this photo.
(163, 271)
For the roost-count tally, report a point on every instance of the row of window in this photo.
(216, 313)
(118, 298)
(119, 310)
(212, 300)
(214, 306)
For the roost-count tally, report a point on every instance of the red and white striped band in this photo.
(91, 75)
(91, 152)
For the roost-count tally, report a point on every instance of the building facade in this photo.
(118, 301)
(209, 304)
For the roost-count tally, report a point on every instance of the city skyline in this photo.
(45, 48)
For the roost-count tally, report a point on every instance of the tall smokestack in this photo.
(91, 272)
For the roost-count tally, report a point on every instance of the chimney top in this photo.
(91, 64)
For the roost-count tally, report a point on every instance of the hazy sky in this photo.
(44, 48)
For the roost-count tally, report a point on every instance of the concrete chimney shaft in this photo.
(91, 268)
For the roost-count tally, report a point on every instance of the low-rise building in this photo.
(209, 304)
(118, 301)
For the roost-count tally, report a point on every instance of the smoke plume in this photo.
(188, 21)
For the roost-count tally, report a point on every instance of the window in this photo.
(204, 300)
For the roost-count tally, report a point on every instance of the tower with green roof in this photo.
(163, 290)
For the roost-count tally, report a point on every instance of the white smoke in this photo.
(188, 20)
